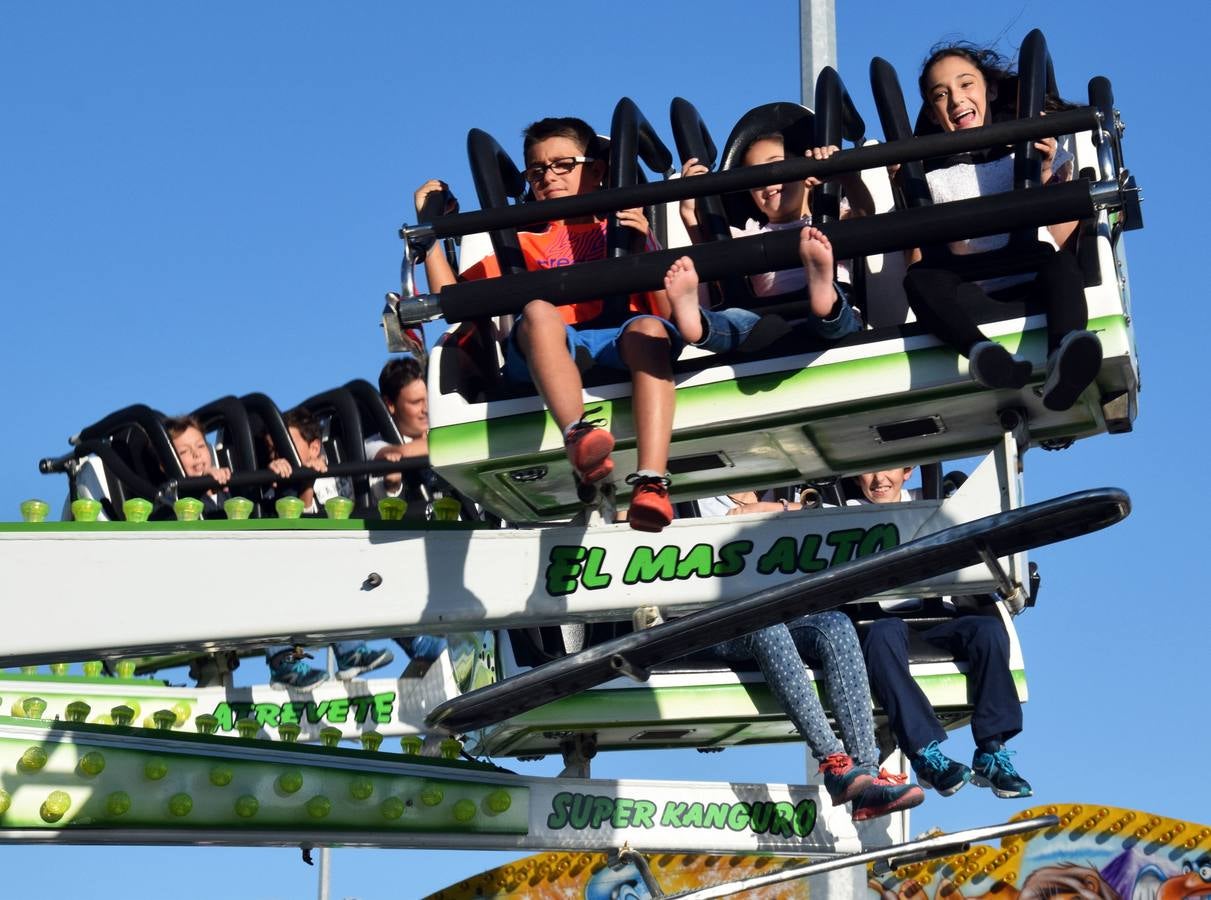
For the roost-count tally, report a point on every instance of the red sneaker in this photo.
(888, 793)
(650, 507)
(589, 450)
(843, 780)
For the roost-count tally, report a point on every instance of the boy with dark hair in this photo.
(401, 384)
(979, 639)
(561, 160)
(307, 437)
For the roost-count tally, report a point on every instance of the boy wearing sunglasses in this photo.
(547, 340)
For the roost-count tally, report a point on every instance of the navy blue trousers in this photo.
(980, 640)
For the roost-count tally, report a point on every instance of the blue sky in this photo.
(202, 199)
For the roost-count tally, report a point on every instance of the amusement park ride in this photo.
(568, 633)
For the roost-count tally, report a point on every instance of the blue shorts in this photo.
(599, 344)
(723, 330)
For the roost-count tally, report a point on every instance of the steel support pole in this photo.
(817, 45)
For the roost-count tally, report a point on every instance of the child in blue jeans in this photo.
(782, 206)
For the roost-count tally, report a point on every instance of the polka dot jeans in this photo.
(827, 640)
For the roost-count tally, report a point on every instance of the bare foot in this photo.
(817, 255)
(681, 285)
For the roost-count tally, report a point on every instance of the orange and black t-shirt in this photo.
(565, 245)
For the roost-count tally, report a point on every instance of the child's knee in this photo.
(538, 313)
(647, 327)
(988, 636)
(885, 634)
(541, 323)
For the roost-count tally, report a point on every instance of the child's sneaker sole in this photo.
(948, 792)
(907, 800)
(980, 781)
(590, 455)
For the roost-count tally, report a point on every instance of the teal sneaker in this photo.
(994, 770)
(361, 659)
(285, 671)
(934, 769)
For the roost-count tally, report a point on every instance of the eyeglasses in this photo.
(561, 166)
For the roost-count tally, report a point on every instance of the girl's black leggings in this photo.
(937, 298)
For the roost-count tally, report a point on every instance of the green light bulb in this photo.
(318, 806)
(392, 509)
(290, 781)
(33, 707)
(92, 763)
(220, 776)
(330, 736)
(6, 800)
(289, 732)
(85, 509)
(464, 810)
(237, 508)
(34, 510)
(180, 804)
(246, 807)
(55, 807)
(117, 804)
(499, 801)
(361, 788)
(164, 719)
(59, 668)
(411, 744)
(431, 796)
(93, 668)
(391, 808)
(32, 760)
(155, 768)
(136, 509)
(188, 509)
(206, 723)
(338, 507)
(450, 748)
(122, 715)
(288, 507)
(371, 741)
(77, 711)
(247, 728)
(125, 668)
(446, 509)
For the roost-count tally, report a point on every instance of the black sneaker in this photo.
(934, 769)
(1071, 368)
(994, 770)
(993, 366)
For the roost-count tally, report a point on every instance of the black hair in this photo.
(999, 75)
(396, 375)
(570, 127)
(995, 68)
(300, 418)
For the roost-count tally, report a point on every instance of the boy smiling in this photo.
(547, 340)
